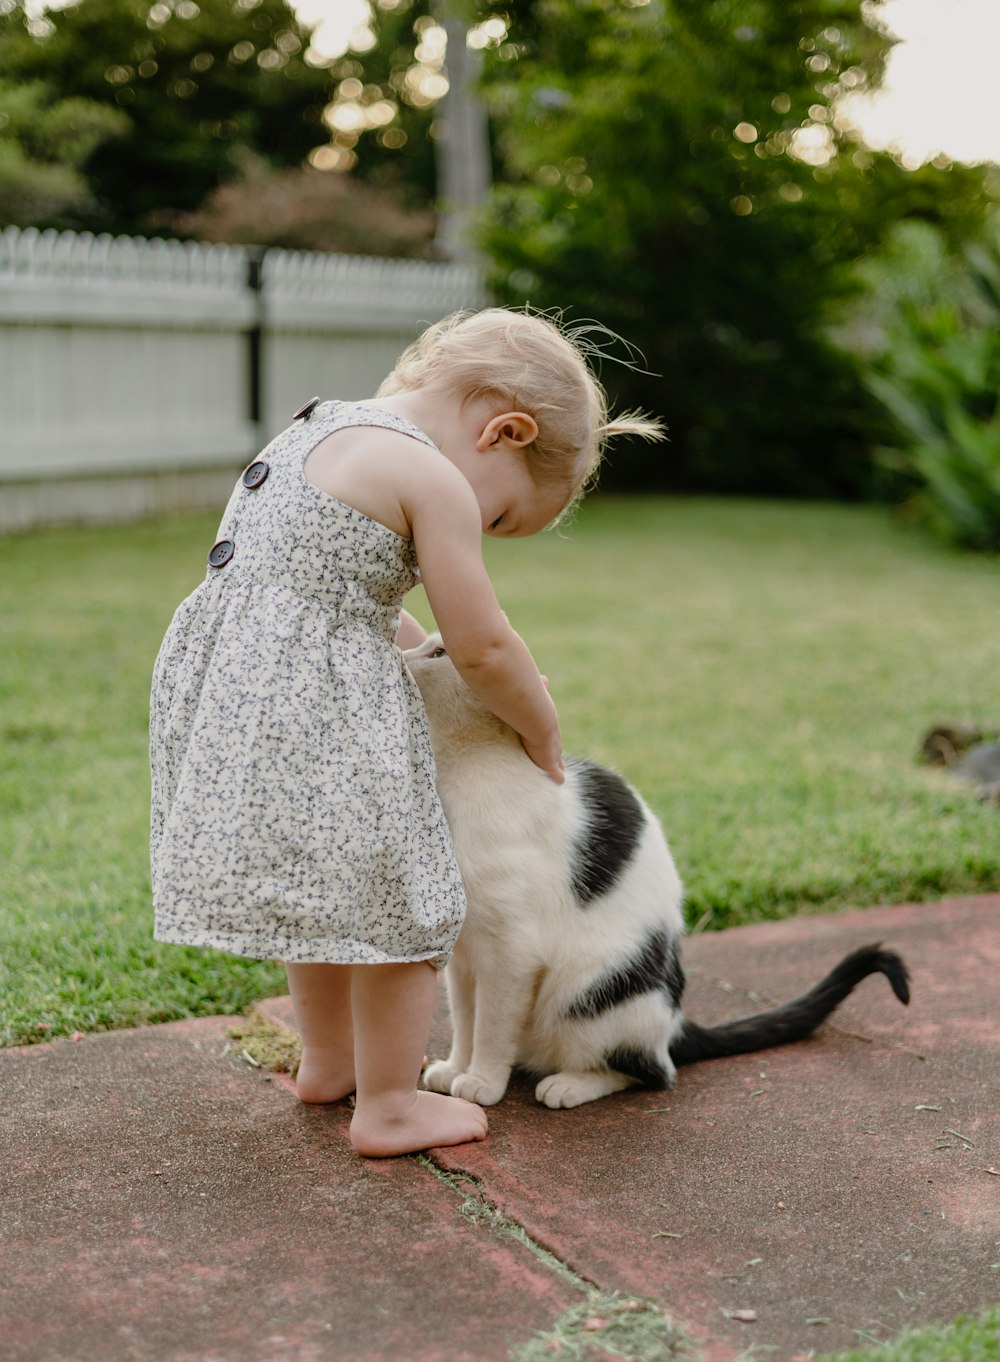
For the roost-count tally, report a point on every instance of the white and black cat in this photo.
(568, 964)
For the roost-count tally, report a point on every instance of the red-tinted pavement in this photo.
(163, 1201)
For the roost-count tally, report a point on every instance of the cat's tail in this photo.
(794, 1020)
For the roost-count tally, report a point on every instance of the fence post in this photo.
(255, 338)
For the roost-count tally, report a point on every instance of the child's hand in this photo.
(547, 756)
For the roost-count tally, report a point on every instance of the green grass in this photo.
(966, 1340)
(763, 672)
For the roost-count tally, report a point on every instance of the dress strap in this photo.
(334, 415)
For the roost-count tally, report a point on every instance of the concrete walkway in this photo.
(164, 1202)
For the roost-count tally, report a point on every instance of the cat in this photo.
(568, 964)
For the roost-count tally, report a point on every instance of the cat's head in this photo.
(453, 712)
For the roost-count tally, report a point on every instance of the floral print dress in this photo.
(294, 813)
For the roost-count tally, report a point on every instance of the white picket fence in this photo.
(128, 383)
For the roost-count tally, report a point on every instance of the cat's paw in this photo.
(440, 1075)
(573, 1089)
(474, 1088)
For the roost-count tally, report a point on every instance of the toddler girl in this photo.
(294, 814)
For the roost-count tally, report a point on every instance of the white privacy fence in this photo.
(138, 376)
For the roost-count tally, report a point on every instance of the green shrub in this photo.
(937, 373)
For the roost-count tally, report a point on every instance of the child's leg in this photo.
(393, 1006)
(321, 1000)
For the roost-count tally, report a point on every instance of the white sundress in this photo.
(294, 813)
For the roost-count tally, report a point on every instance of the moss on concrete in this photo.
(266, 1044)
(607, 1326)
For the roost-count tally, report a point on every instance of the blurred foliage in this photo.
(676, 171)
(190, 83)
(398, 76)
(308, 210)
(930, 327)
(44, 143)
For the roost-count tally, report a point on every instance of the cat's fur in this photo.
(568, 964)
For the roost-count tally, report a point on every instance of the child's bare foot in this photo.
(384, 1127)
(325, 1075)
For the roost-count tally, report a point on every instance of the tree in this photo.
(192, 83)
(386, 102)
(677, 170)
(403, 123)
(44, 141)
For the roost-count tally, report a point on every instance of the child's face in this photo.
(512, 504)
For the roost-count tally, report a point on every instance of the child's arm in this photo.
(493, 660)
(410, 633)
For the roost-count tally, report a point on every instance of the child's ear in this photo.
(512, 428)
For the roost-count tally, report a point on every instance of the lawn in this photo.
(763, 672)
(966, 1340)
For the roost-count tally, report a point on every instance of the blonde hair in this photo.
(529, 362)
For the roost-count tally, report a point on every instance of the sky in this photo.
(942, 92)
